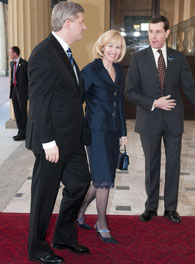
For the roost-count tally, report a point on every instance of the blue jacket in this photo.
(104, 98)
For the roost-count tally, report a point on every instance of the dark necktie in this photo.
(161, 70)
(14, 74)
(69, 53)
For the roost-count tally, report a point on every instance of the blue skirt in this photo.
(103, 156)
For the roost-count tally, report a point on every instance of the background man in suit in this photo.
(153, 82)
(19, 90)
(54, 134)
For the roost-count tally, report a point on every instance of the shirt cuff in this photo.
(153, 107)
(49, 145)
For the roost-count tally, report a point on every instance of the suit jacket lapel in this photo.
(150, 60)
(117, 79)
(80, 80)
(12, 70)
(103, 74)
(19, 65)
(63, 57)
(170, 64)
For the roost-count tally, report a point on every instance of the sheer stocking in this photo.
(90, 196)
(101, 195)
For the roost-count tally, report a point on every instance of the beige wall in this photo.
(177, 10)
(29, 22)
(97, 20)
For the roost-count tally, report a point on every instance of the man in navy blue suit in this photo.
(153, 80)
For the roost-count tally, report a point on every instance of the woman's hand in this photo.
(123, 141)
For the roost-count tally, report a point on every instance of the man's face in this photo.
(157, 35)
(77, 27)
(11, 54)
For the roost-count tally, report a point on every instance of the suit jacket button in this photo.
(114, 103)
(115, 93)
(113, 114)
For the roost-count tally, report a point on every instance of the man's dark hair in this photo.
(157, 19)
(16, 50)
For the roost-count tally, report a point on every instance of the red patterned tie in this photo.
(161, 70)
(14, 73)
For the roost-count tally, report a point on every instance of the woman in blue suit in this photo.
(103, 91)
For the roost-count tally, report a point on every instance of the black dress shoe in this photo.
(147, 215)
(19, 137)
(173, 216)
(19, 133)
(74, 248)
(51, 258)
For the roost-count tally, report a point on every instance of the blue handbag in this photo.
(123, 160)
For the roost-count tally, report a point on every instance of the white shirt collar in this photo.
(164, 50)
(17, 60)
(64, 45)
(157, 54)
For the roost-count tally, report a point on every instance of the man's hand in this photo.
(52, 154)
(165, 103)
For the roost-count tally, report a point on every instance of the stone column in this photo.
(28, 24)
(187, 10)
(176, 12)
(2, 42)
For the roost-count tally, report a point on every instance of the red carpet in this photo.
(155, 242)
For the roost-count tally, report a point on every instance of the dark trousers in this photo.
(20, 111)
(152, 150)
(73, 171)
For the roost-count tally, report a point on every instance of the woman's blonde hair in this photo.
(110, 36)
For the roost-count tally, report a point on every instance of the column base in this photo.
(11, 124)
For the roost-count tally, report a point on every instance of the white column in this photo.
(2, 43)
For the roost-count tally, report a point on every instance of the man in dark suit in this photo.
(55, 133)
(19, 90)
(153, 80)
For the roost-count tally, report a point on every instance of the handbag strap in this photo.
(125, 151)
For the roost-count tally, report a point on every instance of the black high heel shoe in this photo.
(110, 240)
(84, 225)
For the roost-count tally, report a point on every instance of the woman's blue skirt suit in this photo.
(105, 118)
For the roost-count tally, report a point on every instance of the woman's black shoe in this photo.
(110, 240)
(84, 225)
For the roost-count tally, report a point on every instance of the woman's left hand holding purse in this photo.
(123, 141)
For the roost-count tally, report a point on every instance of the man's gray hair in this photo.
(62, 11)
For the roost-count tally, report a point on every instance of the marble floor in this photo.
(128, 196)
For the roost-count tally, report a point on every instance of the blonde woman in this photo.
(103, 91)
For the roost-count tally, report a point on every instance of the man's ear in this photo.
(66, 24)
(168, 32)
